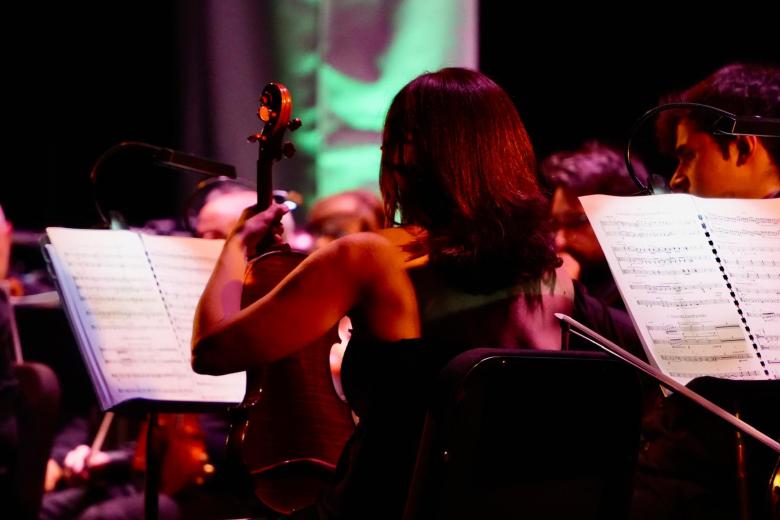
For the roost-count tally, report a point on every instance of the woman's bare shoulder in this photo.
(362, 242)
(396, 246)
(359, 251)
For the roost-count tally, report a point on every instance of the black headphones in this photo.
(726, 124)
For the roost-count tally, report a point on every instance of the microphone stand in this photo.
(178, 161)
(166, 157)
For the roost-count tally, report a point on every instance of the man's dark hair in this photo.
(742, 89)
(593, 168)
(206, 191)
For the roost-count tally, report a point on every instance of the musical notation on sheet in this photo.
(691, 275)
(182, 267)
(748, 236)
(120, 311)
(124, 323)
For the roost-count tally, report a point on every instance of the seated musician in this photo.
(687, 466)
(343, 213)
(87, 485)
(724, 166)
(593, 168)
(472, 264)
(9, 439)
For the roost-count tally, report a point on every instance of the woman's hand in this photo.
(221, 299)
(260, 231)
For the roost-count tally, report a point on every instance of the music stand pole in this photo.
(618, 352)
(152, 476)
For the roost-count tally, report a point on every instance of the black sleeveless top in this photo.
(389, 385)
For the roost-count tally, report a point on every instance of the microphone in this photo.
(172, 159)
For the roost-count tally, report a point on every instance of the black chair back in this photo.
(36, 419)
(528, 434)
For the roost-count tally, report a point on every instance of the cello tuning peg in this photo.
(255, 138)
(295, 124)
(288, 149)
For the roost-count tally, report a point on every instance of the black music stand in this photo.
(697, 445)
(149, 155)
(693, 431)
(151, 409)
(46, 337)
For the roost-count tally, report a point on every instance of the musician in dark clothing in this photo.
(108, 484)
(725, 166)
(687, 467)
(591, 169)
(472, 264)
(8, 386)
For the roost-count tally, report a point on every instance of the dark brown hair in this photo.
(593, 168)
(470, 181)
(742, 89)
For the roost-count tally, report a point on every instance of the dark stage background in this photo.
(84, 77)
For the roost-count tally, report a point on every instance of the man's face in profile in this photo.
(702, 168)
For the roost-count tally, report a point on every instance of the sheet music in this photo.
(182, 267)
(672, 285)
(119, 317)
(747, 238)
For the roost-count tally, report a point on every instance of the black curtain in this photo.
(83, 77)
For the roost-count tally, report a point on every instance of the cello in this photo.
(291, 427)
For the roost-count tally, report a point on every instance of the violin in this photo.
(291, 427)
(184, 460)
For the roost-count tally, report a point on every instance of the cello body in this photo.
(291, 427)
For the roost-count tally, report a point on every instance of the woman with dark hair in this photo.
(458, 163)
(471, 265)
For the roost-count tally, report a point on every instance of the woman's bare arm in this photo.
(362, 271)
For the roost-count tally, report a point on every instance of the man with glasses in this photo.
(594, 168)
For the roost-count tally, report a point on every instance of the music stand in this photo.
(756, 402)
(741, 396)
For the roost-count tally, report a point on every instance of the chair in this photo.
(528, 434)
(36, 418)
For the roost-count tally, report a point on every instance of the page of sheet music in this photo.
(123, 327)
(672, 286)
(182, 267)
(71, 302)
(746, 234)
